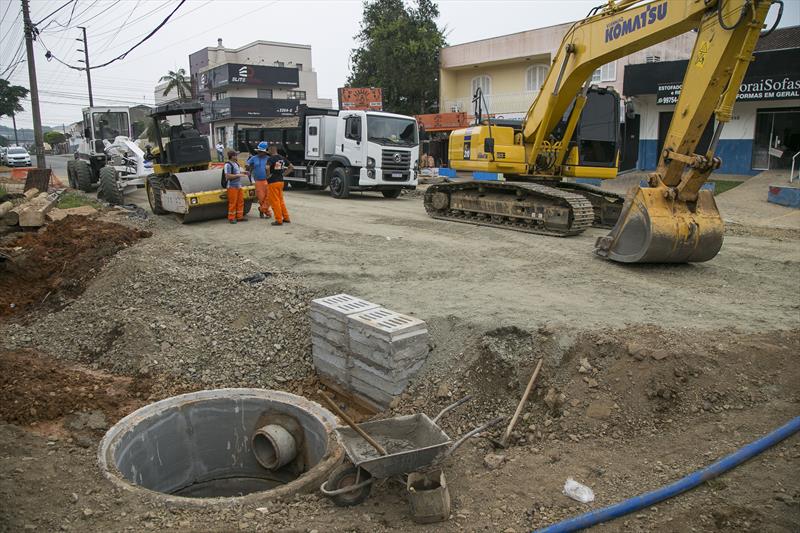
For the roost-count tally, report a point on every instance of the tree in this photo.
(398, 51)
(10, 95)
(54, 137)
(178, 81)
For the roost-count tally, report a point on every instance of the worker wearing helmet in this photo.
(258, 166)
(278, 167)
(234, 175)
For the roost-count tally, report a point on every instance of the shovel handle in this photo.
(330, 403)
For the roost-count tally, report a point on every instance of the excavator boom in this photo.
(672, 220)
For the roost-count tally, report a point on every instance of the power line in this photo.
(124, 22)
(50, 55)
(56, 11)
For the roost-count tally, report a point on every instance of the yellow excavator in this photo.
(671, 220)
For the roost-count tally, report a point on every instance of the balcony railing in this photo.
(498, 103)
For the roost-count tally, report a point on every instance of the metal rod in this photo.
(450, 407)
(475, 431)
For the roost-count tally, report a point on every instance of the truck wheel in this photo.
(109, 189)
(391, 193)
(83, 175)
(153, 188)
(71, 174)
(338, 184)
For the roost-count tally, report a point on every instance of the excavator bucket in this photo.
(656, 229)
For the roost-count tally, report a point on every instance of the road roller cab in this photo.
(183, 181)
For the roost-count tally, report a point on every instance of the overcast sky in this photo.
(329, 26)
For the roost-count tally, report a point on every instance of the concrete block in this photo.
(385, 324)
(337, 338)
(399, 360)
(341, 304)
(353, 385)
(788, 196)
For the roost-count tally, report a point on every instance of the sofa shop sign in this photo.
(750, 90)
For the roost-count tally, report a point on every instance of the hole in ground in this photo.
(201, 445)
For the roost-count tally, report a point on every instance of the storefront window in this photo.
(777, 138)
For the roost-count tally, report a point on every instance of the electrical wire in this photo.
(56, 11)
(49, 54)
(124, 22)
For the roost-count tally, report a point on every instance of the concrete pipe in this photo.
(273, 446)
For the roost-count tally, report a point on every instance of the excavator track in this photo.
(518, 206)
(607, 204)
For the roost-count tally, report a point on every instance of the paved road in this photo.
(59, 165)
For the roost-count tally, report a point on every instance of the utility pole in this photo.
(37, 119)
(14, 121)
(86, 62)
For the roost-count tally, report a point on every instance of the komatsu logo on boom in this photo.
(621, 26)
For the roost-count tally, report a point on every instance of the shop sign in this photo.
(361, 98)
(751, 90)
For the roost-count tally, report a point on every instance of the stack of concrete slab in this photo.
(364, 349)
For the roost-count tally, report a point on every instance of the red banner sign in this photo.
(361, 98)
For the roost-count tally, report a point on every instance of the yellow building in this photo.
(511, 68)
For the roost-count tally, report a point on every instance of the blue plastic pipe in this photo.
(682, 485)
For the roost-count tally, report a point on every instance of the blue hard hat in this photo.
(262, 146)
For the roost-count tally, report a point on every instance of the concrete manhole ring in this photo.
(214, 447)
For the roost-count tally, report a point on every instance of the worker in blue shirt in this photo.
(258, 166)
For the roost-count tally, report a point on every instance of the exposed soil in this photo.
(649, 373)
(48, 267)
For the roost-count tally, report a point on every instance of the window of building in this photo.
(534, 77)
(220, 95)
(265, 94)
(484, 83)
(296, 95)
(279, 63)
(299, 66)
(607, 72)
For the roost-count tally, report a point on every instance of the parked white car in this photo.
(18, 157)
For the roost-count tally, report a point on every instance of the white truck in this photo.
(344, 150)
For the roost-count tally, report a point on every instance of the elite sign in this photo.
(750, 90)
(257, 75)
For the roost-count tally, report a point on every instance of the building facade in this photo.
(244, 87)
(764, 132)
(510, 69)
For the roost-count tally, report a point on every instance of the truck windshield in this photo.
(110, 124)
(391, 130)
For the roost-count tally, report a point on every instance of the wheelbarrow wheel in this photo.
(346, 476)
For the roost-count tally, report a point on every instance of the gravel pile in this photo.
(186, 315)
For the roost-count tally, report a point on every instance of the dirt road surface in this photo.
(392, 252)
(650, 371)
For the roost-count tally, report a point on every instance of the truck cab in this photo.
(360, 151)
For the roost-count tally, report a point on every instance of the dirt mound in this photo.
(184, 313)
(36, 389)
(54, 265)
(620, 383)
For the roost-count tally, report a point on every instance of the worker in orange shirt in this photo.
(257, 164)
(234, 175)
(279, 166)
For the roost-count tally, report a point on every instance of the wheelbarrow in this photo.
(412, 442)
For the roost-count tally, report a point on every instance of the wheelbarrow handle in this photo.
(450, 407)
(474, 432)
(351, 488)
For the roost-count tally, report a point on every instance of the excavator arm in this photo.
(673, 220)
